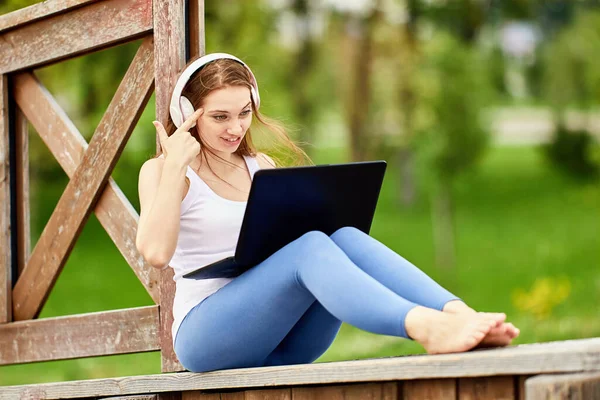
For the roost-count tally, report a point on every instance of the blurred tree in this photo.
(360, 31)
(572, 81)
(453, 90)
(462, 18)
(304, 65)
(408, 97)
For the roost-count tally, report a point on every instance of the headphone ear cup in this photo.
(187, 109)
(255, 98)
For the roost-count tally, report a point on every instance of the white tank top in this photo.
(209, 230)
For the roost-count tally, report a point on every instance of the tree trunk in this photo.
(407, 98)
(407, 187)
(305, 60)
(360, 93)
(442, 219)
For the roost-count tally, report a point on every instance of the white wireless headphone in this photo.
(181, 107)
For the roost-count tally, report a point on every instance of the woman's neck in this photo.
(222, 164)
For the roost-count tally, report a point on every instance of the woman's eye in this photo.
(246, 112)
(220, 117)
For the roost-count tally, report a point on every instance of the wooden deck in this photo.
(518, 372)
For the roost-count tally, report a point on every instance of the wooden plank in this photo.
(74, 33)
(169, 360)
(556, 357)
(110, 332)
(22, 177)
(581, 386)
(487, 388)
(52, 124)
(5, 237)
(226, 396)
(38, 11)
(73, 208)
(374, 391)
(114, 211)
(430, 389)
(169, 396)
(169, 58)
(204, 396)
(196, 23)
(268, 394)
(141, 397)
(520, 386)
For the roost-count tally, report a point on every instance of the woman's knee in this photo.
(315, 248)
(345, 233)
(314, 240)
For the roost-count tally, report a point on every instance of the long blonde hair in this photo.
(224, 73)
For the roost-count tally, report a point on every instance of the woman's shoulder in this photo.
(264, 161)
(152, 166)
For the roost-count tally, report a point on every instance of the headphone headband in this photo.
(180, 106)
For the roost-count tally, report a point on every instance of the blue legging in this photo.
(289, 308)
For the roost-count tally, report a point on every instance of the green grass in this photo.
(517, 221)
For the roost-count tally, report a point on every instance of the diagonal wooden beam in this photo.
(84, 188)
(5, 241)
(95, 334)
(74, 33)
(113, 210)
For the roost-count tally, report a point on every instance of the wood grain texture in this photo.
(196, 22)
(582, 386)
(169, 58)
(22, 177)
(431, 389)
(169, 396)
(38, 11)
(82, 191)
(104, 333)
(169, 361)
(555, 357)
(140, 397)
(5, 240)
(488, 388)
(115, 213)
(74, 33)
(268, 394)
(204, 396)
(520, 386)
(367, 391)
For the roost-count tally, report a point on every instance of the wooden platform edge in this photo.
(571, 356)
(584, 385)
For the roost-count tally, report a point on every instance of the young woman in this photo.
(289, 308)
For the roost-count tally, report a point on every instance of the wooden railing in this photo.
(41, 35)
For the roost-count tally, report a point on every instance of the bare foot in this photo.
(500, 335)
(441, 332)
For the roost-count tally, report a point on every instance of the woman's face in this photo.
(226, 118)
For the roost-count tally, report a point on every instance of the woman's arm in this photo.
(162, 186)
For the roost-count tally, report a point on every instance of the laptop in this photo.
(286, 203)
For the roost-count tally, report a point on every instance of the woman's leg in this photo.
(406, 280)
(245, 321)
(317, 329)
(390, 269)
(308, 339)
(242, 323)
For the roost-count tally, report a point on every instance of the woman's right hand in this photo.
(181, 146)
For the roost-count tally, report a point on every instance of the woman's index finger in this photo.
(191, 121)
